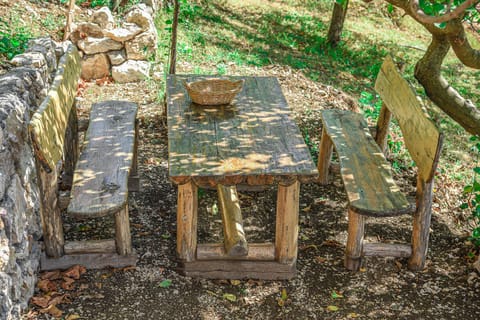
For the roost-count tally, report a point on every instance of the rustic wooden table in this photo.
(252, 141)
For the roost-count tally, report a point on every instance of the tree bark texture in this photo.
(427, 72)
(173, 47)
(428, 69)
(337, 21)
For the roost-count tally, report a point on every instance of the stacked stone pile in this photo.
(22, 90)
(122, 51)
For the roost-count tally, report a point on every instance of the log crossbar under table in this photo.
(252, 141)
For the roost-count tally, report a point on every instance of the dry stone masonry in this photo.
(122, 50)
(22, 90)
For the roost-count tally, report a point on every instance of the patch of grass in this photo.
(14, 36)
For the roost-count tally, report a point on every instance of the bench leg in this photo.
(134, 179)
(353, 251)
(50, 213)
(71, 150)
(187, 205)
(421, 226)
(123, 238)
(286, 231)
(324, 157)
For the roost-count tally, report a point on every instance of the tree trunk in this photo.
(68, 24)
(427, 72)
(337, 21)
(173, 47)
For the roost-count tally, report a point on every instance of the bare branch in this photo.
(461, 45)
(428, 73)
(421, 16)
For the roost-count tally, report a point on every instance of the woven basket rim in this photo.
(224, 95)
(196, 85)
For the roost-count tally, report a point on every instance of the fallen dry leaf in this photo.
(58, 300)
(332, 308)
(319, 259)
(75, 272)
(53, 311)
(51, 275)
(331, 243)
(72, 317)
(47, 285)
(307, 209)
(41, 302)
(130, 268)
(68, 284)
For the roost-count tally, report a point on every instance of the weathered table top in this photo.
(253, 140)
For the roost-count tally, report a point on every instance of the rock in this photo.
(131, 71)
(154, 4)
(30, 59)
(128, 31)
(89, 29)
(45, 46)
(95, 66)
(141, 47)
(140, 17)
(91, 45)
(117, 57)
(104, 18)
(21, 88)
(18, 206)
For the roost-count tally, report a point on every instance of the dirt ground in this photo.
(448, 288)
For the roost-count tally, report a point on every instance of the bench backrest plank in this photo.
(49, 124)
(100, 182)
(366, 173)
(422, 138)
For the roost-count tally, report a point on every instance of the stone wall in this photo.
(122, 49)
(22, 90)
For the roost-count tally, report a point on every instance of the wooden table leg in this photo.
(187, 204)
(286, 233)
(353, 250)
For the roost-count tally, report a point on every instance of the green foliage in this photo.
(13, 39)
(93, 3)
(312, 145)
(440, 7)
(101, 3)
(472, 197)
(371, 105)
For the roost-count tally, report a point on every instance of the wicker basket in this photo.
(213, 91)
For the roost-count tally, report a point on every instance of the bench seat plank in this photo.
(100, 182)
(365, 172)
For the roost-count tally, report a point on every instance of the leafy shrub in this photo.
(12, 41)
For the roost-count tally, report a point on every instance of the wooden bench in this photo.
(366, 173)
(99, 179)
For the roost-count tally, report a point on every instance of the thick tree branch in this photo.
(460, 44)
(427, 72)
(421, 16)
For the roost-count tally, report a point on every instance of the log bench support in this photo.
(99, 177)
(234, 236)
(366, 174)
(235, 258)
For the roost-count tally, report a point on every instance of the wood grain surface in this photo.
(254, 135)
(421, 136)
(100, 182)
(49, 124)
(365, 172)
